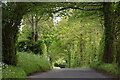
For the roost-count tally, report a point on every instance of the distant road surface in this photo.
(68, 73)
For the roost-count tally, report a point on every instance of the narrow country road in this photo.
(68, 73)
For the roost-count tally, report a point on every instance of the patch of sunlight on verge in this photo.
(56, 68)
(83, 67)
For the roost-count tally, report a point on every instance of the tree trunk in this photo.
(32, 29)
(10, 22)
(109, 33)
(8, 46)
(36, 34)
(69, 54)
(69, 59)
(9, 34)
(118, 52)
(118, 34)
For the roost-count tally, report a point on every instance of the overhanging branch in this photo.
(92, 9)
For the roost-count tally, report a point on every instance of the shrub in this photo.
(24, 45)
(27, 63)
(106, 67)
(30, 46)
(37, 47)
(13, 72)
(31, 63)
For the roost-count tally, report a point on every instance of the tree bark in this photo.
(8, 45)
(32, 29)
(36, 31)
(108, 32)
(10, 22)
(118, 34)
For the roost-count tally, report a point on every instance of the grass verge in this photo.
(27, 63)
(111, 69)
(83, 67)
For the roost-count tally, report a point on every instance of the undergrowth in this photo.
(110, 68)
(27, 63)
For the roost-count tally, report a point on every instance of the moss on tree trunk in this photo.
(109, 33)
(118, 34)
(11, 20)
(8, 45)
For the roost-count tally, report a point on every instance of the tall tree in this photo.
(12, 15)
(11, 22)
(118, 32)
(108, 32)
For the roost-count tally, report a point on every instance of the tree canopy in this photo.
(68, 33)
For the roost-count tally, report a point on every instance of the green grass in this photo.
(27, 63)
(13, 72)
(82, 67)
(107, 67)
(31, 63)
(0, 71)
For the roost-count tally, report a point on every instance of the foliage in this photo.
(13, 72)
(79, 37)
(78, 41)
(31, 63)
(10, 25)
(106, 67)
(27, 63)
(74, 41)
(30, 46)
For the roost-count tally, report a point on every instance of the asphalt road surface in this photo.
(68, 73)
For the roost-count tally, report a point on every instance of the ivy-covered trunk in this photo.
(8, 45)
(11, 20)
(118, 52)
(109, 33)
(118, 33)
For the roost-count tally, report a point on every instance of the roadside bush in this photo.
(30, 46)
(27, 63)
(37, 47)
(31, 62)
(24, 45)
(106, 67)
(13, 72)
